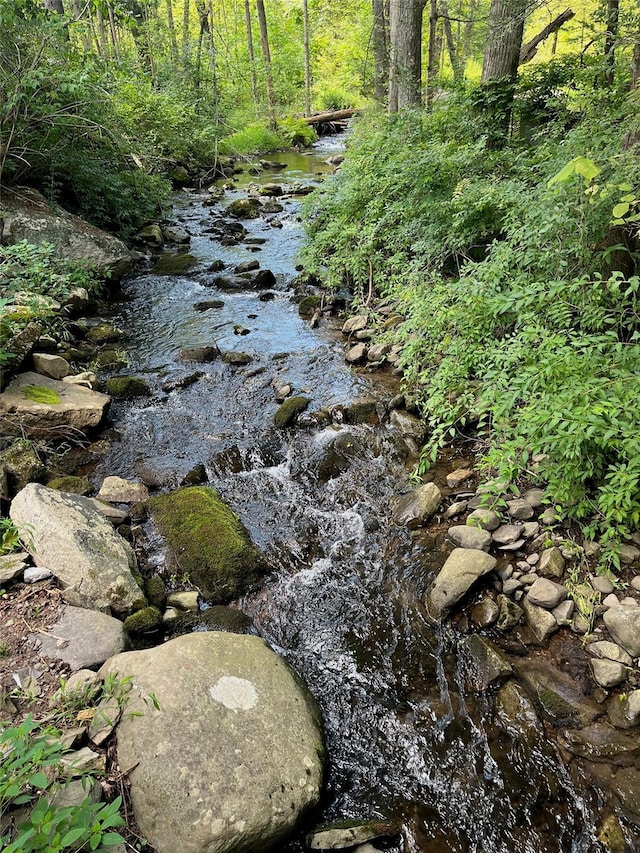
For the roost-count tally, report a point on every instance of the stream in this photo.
(343, 603)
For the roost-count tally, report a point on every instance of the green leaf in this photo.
(620, 210)
(109, 839)
(38, 780)
(72, 836)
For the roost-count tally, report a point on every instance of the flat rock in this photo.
(83, 761)
(506, 534)
(556, 694)
(464, 536)
(607, 673)
(416, 508)
(605, 650)
(12, 566)
(233, 757)
(486, 664)
(485, 519)
(457, 478)
(119, 491)
(35, 574)
(601, 743)
(456, 508)
(520, 509)
(53, 366)
(546, 593)
(84, 639)
(349, 833)
(67, 405)
(68, 536)
(623, 623)
(461, 570)
(541, 622)
(355, 324)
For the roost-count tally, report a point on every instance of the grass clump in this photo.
(207, 544)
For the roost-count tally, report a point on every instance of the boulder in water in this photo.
(461, 570)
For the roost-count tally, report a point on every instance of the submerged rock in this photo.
(68, 536)
(232, 758)
(487, 663)
(557, 694)
(289, 410)
(127, 387)
(207, 542)
(418, 506)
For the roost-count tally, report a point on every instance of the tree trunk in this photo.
(380, 51)
(101, 35)
(252, 56)
(307, 59)
(266, 54)
(468, 30)
(186, 13)
(84, 24)
(433, 57)
(635, 68)
(113, 30)
(454, 59)
(53, 6)
(173, 40)
(610, 39)
(500, 65)
(405, 73)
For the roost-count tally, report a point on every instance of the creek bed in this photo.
(344, 600)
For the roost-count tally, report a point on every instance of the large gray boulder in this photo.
(233, 756)
(27, 215)
(68, 536)
(461, 570)
(35, 405)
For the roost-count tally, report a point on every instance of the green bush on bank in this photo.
(520, 297)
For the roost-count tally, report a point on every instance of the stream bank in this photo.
(410, 736)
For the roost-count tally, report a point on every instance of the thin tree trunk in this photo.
(203, 17)
(610, 39)
(456, 66)
(433, 56)
(635, 68)
(53, 6)
(185, 32)
(113, 30)
(103, 45)
(83, 22)
(171, 26)
(380, 51)
(531, 47)
(468, 30)
(405, 70)
(307, 59)
(266, 54)
(252, 56)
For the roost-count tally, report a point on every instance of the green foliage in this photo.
(252, 139)
(9, 536)
(295, 131)
(30, 758)
(522, 312)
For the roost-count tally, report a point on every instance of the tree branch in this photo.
(531, 48)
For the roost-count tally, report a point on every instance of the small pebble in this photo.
(602, 584)
(611, 601)
(635, 583)
(533, 559)
(33, 574)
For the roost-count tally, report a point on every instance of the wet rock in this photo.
(116, 490)
(611, 836)
(308, 305)
(485, 519)
(196, 476)
(289, 410)
(176, 234)
(70, 485)
(541, 622)
(151, 234)
(546, 593)
(329, 459)
(207, 543)
(485, 613)
(624, 710)
(145, 621)
(53, 366)
(507, 534)
(112, 513)
(247, 266)
(245, 208)
(283, 392)
(236, 358)
(220, 618)
(607, 673)
(464, 536)
(355, 324)
(461, 570)
(73, 540)
(516, 712)
(416, 508)
(623, 623)
(202, 355)
(626, 784)
(127, 387)
(556, 694)
(486, 663)
(356, 353)
(604, 650)
(22, 465)
(208, 304)
(349, 833)
(181, 383)
(228, 704)
(511, 585)
(35, 405)
(551, 563)
(171, 264)
(83, 639)
(510, 613)
(601, 743)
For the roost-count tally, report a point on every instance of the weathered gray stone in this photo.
(53, 366)
(355, 324)
(83, 761)
(556, 694)
(349, 833)
(456, 478)
(546, 593)
(611, 600)
(461, 570)
(541, 622)
(408, 425)
(602, 584)
(510, 613)
(35, 574)
(604, 650)
(12, 566)
(119, 491)
(416, 508)
(487, 664)
(624, 710)
(534, 497)
(377, 352)
(233, 756)
(551, 563)
(520, 509)
(464, 536)
(485, 613)
(628, 554)
(456, 508)
(114, 514)
(507, 534)
(607, 673)
(485, 519)
(511, 585)
(356, 353)
(84, 639)
(67, 535)
(68, 405)
(563, 613)
(28, 216)
(184, 600)
(530, 529)
(21, 464)
(623, 623)
(75, 792)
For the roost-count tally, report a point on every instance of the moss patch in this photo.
(70, 485)
(207, 543)
(40, 394)
(308, 305)
(144, 621)
(127, 387)
(155, 591)
(170, 264)
(289, 410)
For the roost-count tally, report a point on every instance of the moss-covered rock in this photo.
(155, 591)
(144, 621)
(22, 465)
(308, 305)
(71, 485)
(127, 387)
(245, 208)
(104, 333)
(207, 542)
(170, 264)
(40, 394)
(111, 358)
(289, 410)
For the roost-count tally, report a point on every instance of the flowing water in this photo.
(343, 603)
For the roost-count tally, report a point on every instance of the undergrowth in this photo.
(515, 273)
